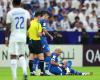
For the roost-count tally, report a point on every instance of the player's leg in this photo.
(31, 57)
(12, 50)
(32, 63)
(23, 65)
(56, 70)
(37, 50)
(74, 72)
(47, 62)
(35, 63)
(14, 59)
(14, 66)
(69, 69)
(41, 63)
(22, 59)
(47, 54)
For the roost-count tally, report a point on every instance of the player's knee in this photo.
(21, 57)
(31, 57)
(14, 61)
(69, 64)
(41, 57)
(55, 71)
(48, 54)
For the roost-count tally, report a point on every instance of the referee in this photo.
(35, 47)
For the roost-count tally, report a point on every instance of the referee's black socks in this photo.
(41, 65)
(31, 66)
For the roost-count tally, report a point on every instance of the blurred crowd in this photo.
(64, 15)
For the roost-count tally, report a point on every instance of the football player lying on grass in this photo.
(64, 68)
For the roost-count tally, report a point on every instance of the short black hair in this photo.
(37, 13)
(44, 12)
(16, 2)
(77, 17)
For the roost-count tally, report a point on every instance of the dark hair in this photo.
(37, 13)
(44, 12)
(77, 18)
(16, 2)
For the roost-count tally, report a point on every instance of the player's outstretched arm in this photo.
(47, 33)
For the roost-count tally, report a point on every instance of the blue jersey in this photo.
(60, 70)
(43, 23)
(56, 69)
(43, 38)
(54, 57)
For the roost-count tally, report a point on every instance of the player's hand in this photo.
(60, 65)
(64, 66)
(43, 33)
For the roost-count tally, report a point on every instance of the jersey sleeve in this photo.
(44, 25)
(8, 19)
(28, 15)
(53, 58)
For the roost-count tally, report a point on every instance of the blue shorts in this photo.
(45, 44)
(57, 70)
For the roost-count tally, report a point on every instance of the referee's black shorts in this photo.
(35, 46)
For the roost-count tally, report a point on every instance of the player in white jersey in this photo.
(17, 22)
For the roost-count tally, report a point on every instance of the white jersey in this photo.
(18, 18)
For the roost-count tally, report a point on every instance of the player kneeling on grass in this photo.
(64, 68)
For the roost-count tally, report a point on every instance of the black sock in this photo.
(41, 65)
(31, 65)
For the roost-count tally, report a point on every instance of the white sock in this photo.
(84, 74)
(23, 65)
(14, 68)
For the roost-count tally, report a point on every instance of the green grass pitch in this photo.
(5, 74)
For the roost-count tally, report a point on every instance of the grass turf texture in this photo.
(5, 74)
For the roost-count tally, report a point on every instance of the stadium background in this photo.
(80, 39)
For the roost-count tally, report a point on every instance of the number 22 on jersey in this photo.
(19, 22)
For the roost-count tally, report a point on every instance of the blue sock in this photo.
(47, 61)
(75, 72)
(35, 63)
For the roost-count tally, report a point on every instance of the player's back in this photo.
(18, 18)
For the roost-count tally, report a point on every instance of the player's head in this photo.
(16, 3)
(58, 51)
(37, 15)
(45, 14)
